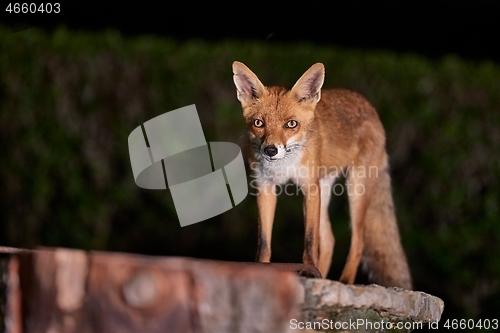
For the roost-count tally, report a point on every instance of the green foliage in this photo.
(69, 100)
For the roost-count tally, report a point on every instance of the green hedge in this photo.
(69, 100)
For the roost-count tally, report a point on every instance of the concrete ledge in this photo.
(335, 301)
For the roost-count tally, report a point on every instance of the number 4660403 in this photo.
(33, 8)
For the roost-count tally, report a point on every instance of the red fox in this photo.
(310, 136)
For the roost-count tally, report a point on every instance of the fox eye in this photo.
(292, 124)
(258, 123)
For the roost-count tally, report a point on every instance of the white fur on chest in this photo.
(280, 171)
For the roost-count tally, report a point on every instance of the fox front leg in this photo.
(266, 203)
(312, 205)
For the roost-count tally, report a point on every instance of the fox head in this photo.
(278, 118)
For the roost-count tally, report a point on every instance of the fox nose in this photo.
(271, 150)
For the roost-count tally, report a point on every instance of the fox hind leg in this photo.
(358, 204)
(326, 238)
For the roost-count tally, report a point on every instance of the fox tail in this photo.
(383, 256)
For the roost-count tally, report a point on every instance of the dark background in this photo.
(70, 96)
(433, 28)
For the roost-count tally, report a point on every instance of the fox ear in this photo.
(308, 87)
(248, 85)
